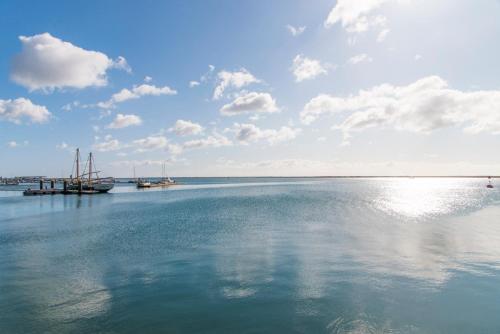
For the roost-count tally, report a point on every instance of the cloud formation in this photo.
(150, 143)
(426, 105)
(304, 68)
(135, 93)
(186, 128)
(216, 140)
(352, 14)
(236, 80)
(361, 58)
(295, 31)
(47, 63)
(247, 133)
(356, 16)
(109, 144)
(14, 144)
(20, 109)
(123, 121)
(252, 102)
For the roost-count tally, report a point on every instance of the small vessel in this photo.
(165, 179)
(134, 180)
(89, 180)
(490, 186)
(143, 183)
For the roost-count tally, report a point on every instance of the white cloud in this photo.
(123, 121)
(147, 78)
(14, 144)
(70, 106)
(17, 110)
(215, 140)
(356, 16)
(193, 83)
(246, 133)
(417, 57)
(361, 58)
(121, 64)
(47, 63)
(109, 144)
(237, 80)
(382, 35)
(62, 146)
(150, 143)
(423, 106)
(251, 102)
(305, 68)
(186, 128)
(295, 31)
(136, 92)
(353, 14)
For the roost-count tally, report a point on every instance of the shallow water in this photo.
(255, 255)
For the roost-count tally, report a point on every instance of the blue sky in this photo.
(360, 87)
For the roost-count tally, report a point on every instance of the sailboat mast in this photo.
(77, 164)
(90, 168)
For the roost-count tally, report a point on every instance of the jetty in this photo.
(43, 190)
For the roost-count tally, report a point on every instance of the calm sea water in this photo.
(255, 255)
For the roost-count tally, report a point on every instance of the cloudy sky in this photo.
(324, 87)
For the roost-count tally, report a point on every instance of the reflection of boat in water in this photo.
(489, 183)
(89, 180)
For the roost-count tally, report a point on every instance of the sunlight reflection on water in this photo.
(424, 197)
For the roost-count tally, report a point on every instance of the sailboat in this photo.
(489, 183)
(134, 180)
(89, 179)
(165, 179)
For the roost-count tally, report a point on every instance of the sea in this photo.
(254, 255)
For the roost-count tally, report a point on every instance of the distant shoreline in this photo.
(331, 177)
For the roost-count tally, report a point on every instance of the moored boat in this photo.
(490, 185)
(89, 180)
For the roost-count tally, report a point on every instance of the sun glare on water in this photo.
(424, 197)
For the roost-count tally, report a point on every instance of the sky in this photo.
(251, 88)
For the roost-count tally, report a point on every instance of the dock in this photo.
(38, 192)
(57, 191)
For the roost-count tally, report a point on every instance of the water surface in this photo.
(255, 255)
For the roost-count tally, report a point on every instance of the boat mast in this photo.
(90, 168)
(77, 164)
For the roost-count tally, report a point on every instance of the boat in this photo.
(143, 183)
(134, 179)
(89, 180)
(165, 179)
(490, 186)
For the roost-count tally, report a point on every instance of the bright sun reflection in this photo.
(423, 197)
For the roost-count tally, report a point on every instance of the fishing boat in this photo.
(490, 185)
(89, 180)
